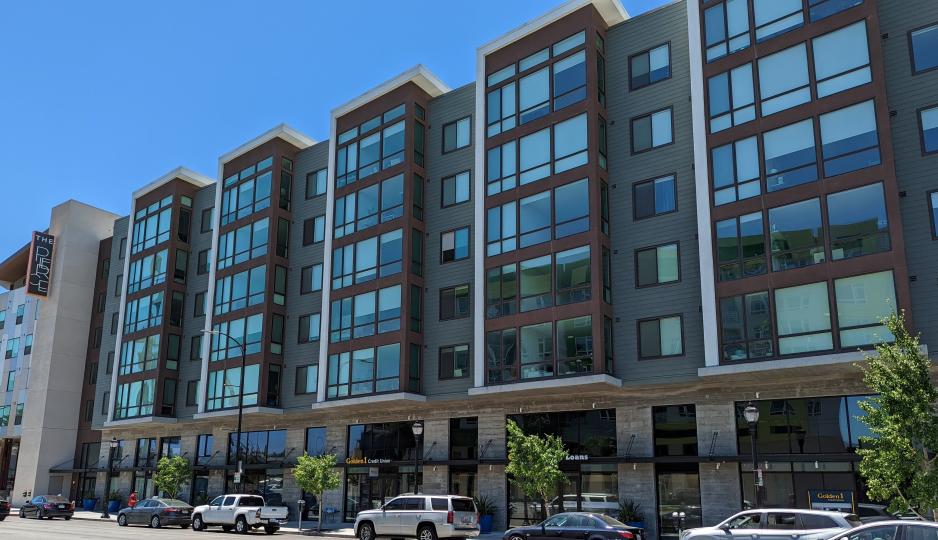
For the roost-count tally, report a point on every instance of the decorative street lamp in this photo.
(418, 432)
(751, 413)
(240, 471)
(112, 446)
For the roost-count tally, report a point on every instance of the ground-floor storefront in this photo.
(686, 453)
(9, 452)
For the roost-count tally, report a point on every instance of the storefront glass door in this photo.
(364, 491)
(678, 491)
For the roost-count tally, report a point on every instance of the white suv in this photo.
(425, 517)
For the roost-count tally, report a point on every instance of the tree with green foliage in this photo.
(171, 473)
(898, 462)
(317, 474)
(534, 465)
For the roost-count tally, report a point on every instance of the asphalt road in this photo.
(58, 529)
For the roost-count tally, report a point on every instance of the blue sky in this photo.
(99, 98)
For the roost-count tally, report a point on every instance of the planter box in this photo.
(485, 524)
(89, 504)
(113, 506)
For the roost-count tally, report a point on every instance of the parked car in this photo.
(423, 517)
(585, 525)
(891, 530)
(239, 512)
(776, 524)
(4, 509)
(47, 506)
(870, 512)
(156, 512)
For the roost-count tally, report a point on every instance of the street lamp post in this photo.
(240, 402)
(112, 446)
(418, 431)
(751, 413)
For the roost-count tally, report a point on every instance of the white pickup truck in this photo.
(239, 512)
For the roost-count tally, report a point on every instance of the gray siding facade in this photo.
(115, 286)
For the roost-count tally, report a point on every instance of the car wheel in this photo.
(516, 537)
(241, 525)
(197, 523)
(155, 522)
(22, 514)
(366, 531)
(39, 514)
(270, 529)
(427, 532)
(122, 520)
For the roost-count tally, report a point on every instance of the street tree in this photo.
(534, 465)
(171, 474)
(317, 474)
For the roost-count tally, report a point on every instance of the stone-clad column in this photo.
(720, 491)
(435, 448)
(635, 439)
(492, 483)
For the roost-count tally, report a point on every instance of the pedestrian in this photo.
(132, 500)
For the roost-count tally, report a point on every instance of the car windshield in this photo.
(463, 505)
(609, 520)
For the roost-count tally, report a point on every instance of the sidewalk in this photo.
(309, 527)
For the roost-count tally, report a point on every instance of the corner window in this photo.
(790, 156)
(726, 28)
(849, 140)
(535, 284)
(571, 209)
(797, 235)
(534, 96)
(774, 17)
(572, 268)
(862, 303)
(534, 219)
(660, 337)
(457, 134)
(746, 327)
(803, 321)
(501, 167)
(654, 197)
(924, 43)
(649, 67)
(740, 247)
(569, 80)
(537, 351)
(570, 144)
(735, 171)
(657, 265)
(456, 189)
(534, 156)
(454, 245)
(858, 222)
(651, 131)
(928, 123)
(500, 110)
(783, 79)
(841, 59)
(730, 98)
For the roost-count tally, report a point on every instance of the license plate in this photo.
(467, 520)
(185, 512)
(61, 507)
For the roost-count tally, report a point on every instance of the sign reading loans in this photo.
(39, 272)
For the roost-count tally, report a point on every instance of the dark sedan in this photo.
(4, 509)
(891, 530)
(156, 512)
(576, 525)
(47, 506)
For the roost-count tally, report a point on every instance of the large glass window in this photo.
(660, 337)
(144, 312)
(802, 315)
(569, 80)
(364, 371)
(797, 235)
(924, 43)
(501, 168)
(651, 131)
(500, 111)
(726, 28)
(534, 219)
(849, 139)
(534, 156)
(820, 9)
(501, 290)
(790, 156)
(571, 209)
(862, 303)
(534, 96)
(928, 123)
(151, 225)
(247, 331)
(146, 272)
(649, 67)
(654, 197)
(240, 290)
(245, 243)
(736, 171)
(657, 265)
(841, 59)
(501, 355)
(537, 351)
(139, 355)
(575, 345)
(783, 79)
(133, 399)
(535, 283)
(731, 98)
(501, 229)
(774, 17)
(741, 247)
(858, 223)
(675, 430)
(746, 327)
(245, 198)
(570, 144)
(224, 386)
(573, 276)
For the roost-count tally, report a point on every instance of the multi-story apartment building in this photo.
(622, 231)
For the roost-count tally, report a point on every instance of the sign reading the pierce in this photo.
(39, 272)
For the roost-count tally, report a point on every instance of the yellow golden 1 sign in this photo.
(39, 271)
